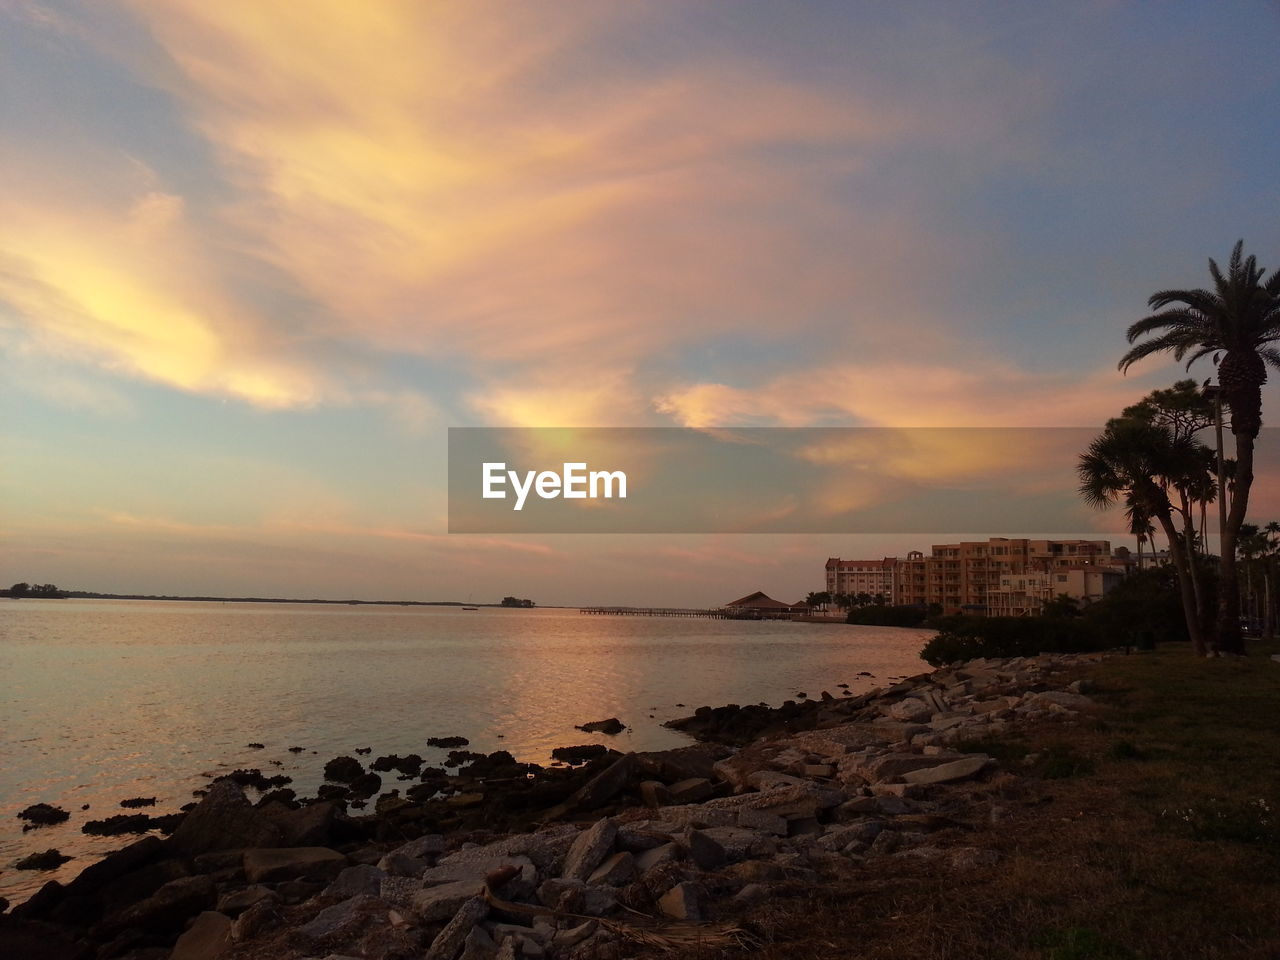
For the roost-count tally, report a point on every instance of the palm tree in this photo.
(1238, 320)
(1137, 462)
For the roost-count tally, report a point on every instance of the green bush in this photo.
(881, 615)
(971, 638)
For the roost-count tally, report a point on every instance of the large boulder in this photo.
(208, 938)
(168, 909)
(224, 820)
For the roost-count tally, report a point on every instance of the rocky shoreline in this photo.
(621, 855)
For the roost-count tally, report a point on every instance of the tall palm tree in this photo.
(1238, 321)
(1138, 462)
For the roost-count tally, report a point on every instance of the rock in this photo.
(546, 848)
(654, 793)
(432, 844)
(291, 863)
(616, 870)
(691, 790)
(343, 770)
(207, 938)
(448, 942)
(683, 763)
(169, 907)
(309, 826)
(705, 852)
(224, 820)
(663, 854)
(448, 743)
(612, 726)
(601, 788)
(1062, 698)
(258, 919)
(365, 785)
(681, 902)
(115, 865)
(238, 901)
(50, 859)
(740, 843)
(353, 881)
(752, 893)
(337, 918)
(910, 710)
(479, 945)
(43, 815)
(398, 865)
(960, 769)
(564, 939)
(436, 903)
(580, 754)
(589, 849)
(522, 882)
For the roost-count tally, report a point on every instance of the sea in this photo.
(105, 700)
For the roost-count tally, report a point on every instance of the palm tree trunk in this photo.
(1229, 638)
(1189, 608)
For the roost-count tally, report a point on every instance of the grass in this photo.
(1151, 830)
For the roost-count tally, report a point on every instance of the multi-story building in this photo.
(874, 577)
(968, 577)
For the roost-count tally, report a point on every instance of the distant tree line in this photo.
(24, 589)
(517, 602)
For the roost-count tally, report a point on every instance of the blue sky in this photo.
(254, 263)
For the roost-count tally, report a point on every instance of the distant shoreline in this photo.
(86, 595)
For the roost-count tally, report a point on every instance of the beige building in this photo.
(861, 576)
(970, 577)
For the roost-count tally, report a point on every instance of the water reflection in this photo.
(113, 699)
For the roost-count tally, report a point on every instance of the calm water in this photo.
(105, 700)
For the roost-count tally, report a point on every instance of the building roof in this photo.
(762, 601)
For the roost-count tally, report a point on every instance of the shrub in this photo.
(970, 638)
(882, 615)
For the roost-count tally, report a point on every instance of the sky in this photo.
(256, 259)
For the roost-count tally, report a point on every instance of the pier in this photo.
(715, 613)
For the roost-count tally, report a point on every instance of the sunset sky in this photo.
(256, 258)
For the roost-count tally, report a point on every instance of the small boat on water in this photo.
(470, 608)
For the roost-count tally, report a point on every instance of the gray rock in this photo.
(752, 893)
(692, 790)
(238, 901)
(705, 851)
(589, 849)
(910, 710)
(396, 864)
(474, 872)
(616, 870)
(448, 942)
(436, 903)
(960, 769)
(430, 845)
(546, 848)
(681, 902)
(573, 936)
(208, 938)
(332, 920)
(479, 945)
(352, 881)
(662, 854)
(399, 890)
(258, 919)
